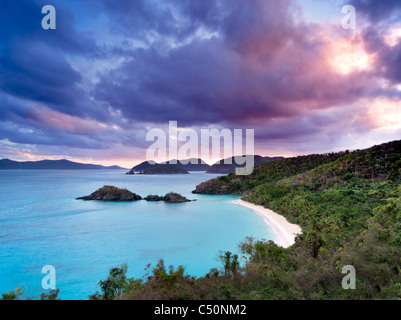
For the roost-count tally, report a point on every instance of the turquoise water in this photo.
(41, 224)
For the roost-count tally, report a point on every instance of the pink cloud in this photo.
(65, 122)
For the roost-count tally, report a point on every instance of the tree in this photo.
(115, 284)
(12, 295)
(314, 242)
(230, 262)
(51, 295)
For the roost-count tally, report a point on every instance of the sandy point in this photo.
(284, 231)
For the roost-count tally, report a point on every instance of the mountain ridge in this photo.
(63, 164)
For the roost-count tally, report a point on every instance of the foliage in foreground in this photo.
(19, 294)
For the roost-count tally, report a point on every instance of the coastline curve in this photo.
(284, 231)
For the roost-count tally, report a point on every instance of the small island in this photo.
(154, 198)
(114, 194)
(159, 169)
(170, 167)
(111, 193)
(175, 198)
(171, 197)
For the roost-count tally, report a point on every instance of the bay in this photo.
(41, 224)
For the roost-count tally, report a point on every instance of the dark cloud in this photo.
(21, 21)
(34, 62)
(388, 57)
(391, 59)
(378, 10)
(42, 75)
(261, 66)
(144, 20)
(383, 14)
(241, 64)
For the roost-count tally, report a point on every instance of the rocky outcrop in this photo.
(169, 198)
(113, 194)
(110, 193)
(153, 197)
(175, 198)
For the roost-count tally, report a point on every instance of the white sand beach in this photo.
(284, 231)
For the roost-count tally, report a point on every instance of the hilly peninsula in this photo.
(229, 165)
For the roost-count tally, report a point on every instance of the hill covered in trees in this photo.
(229, 165)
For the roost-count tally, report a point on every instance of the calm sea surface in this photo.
(41, 224)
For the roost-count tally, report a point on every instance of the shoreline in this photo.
(284, 231)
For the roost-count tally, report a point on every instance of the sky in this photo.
(90, 90)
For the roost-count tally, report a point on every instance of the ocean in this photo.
(42, 224)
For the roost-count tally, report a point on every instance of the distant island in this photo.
(193, 164)
(164, 169)
(140, 168)
(170, 167)
(114, 194)
(6, 164)
(183, 166)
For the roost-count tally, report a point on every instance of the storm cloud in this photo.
(110, 71)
